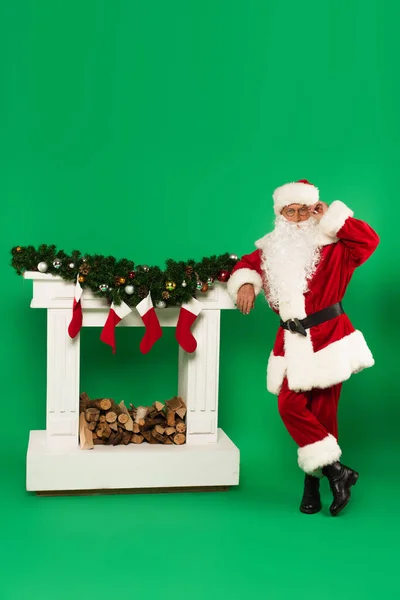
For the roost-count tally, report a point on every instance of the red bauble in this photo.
(132, 275)
(223, 275)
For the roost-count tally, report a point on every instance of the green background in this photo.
(159, 129)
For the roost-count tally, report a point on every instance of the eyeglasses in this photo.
(290, 212)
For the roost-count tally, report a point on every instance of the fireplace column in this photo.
(62, 382)
(198, 379)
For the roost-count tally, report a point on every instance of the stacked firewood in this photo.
(104, 422)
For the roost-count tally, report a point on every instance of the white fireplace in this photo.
(55, 462)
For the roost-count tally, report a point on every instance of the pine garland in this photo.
(115, 279)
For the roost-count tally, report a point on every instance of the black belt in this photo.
(300, 325)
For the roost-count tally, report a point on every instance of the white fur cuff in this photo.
(318, 455)
(240, 277)
(276, 372)
(334, 218)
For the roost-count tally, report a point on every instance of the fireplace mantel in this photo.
(55, 461)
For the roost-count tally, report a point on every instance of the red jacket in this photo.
(331, 352)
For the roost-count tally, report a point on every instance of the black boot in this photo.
(311, 501)
(340, 479)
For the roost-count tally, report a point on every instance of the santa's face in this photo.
(296, 213)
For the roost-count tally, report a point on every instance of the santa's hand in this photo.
(245, 298)
(318, 210)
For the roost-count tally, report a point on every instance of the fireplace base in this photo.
(131, 467)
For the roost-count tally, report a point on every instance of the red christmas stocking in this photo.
(153, 333)
(76, 321)
(187, 316)
(116, 314)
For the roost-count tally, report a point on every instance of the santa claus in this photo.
(304, 267)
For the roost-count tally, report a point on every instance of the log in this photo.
(180, 427)
(141, 413)
(159, 429)
(100, 430)
(102, 418)
(92, 414)
(136, 428)
(181, 412)
(126, 438)
(103, 403)
(178, 405)
(123, 418)
(159, 406)
(168, 441)
(98, 441)
(111, 416)
(106, 430)
(179, 438)
(84, 402)
(118, 438)
(157, 436)
(114, 426)
(170, 417)
(85, 435)
(175, 403)
(170, 430)
(137, 439)
(147, 435)
(129, 423)
(92, 425)
(151, 423)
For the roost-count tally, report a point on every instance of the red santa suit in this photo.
(307, 372)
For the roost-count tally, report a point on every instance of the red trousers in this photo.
(309, 416)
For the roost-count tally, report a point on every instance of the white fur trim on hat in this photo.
(296, 192)
(318, 455)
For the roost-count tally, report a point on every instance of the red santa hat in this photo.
(297, 192)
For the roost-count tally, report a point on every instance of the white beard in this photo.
(290, 258)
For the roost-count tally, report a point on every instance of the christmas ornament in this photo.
(161, 304)
(131, 275)
(57, 263)
(210, 281)
(165, 295)
(183, 284)
(144, 268)
(18, 249)
(81, 279)
(103, 287)
(71, 265)
(121, 280)
(223, 275)
(170, 285)
(204, 287)
(233, 257)
(42, 267)
(84, 268)
(129, 289)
